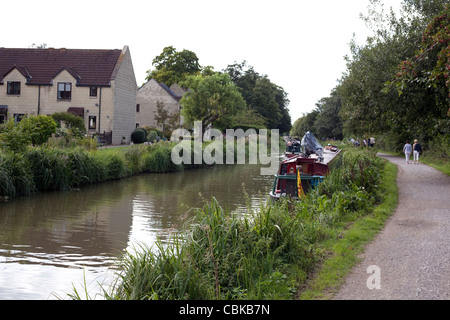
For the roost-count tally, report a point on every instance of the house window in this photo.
(64, 90)
(92, 122)
(138, 108)
(18, 117)
(13, 87)
(2, 118)
(93, 91)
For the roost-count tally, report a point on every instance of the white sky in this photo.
(298, 44)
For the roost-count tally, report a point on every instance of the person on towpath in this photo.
(407, 149)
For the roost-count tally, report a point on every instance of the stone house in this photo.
(148, 97)
(98, 85)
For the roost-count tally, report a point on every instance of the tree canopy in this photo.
(261, 95)
(265, 103)
(213, 100)
(396, 85)
(173, 66)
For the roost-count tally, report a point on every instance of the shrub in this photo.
(138, 136)
(13, 137)
(152, 136)
(38, 128)
(71, 121)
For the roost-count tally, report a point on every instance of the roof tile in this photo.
(89, 67)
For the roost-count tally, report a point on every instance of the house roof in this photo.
(40, 66)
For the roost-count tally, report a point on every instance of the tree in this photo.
(168, 122)
(31, 129)
(431, 63)
(213, 100)
(38, 128)
(304, 124)
(172, 66)
(261, 95)
(328, 123)
(12, 137)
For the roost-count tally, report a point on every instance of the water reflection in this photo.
(53, 240)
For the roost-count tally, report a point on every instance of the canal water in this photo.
(53, 243)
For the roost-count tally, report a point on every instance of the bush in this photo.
(152, 136)
(38, 128)
(138, 136)
(72, 121)
(13, 137)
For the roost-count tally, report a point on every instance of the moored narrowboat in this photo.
(297, 175)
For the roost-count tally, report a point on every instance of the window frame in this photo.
(13, 85)
(94, 125)
(66, 94)
(18, 117)
(93, 92)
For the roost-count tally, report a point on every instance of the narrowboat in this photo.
(298, 174)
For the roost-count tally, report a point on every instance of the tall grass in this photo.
(264, 254)
(16, 178)
(49, 167)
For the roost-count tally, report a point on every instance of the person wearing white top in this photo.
(407, 149)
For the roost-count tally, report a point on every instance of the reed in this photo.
(15, 176)
(49, 168)
(157, 159)
(264, 254)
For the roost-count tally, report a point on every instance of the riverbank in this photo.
(269, 253)
(45, 168)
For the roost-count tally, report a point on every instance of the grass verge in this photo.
(344, 253)
(270, 252)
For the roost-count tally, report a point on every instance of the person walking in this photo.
(417, 149)
(407, 149)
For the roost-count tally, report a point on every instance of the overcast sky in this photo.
(300, 45)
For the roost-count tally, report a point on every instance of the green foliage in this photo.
(31, 129)
(158, 159)
(49, 169)
(396, 84)
(70, 120)
(16, 178)
(262, 254)
(172, 66)
(139, 136)
(152, 136)
(304, 124)
(169, 122)
(212, 100)
(262, 96)
(13, 137)
(38, 128)
(324, 121)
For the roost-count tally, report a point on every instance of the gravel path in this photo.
(412, 253)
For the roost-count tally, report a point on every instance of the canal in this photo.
(54, 242)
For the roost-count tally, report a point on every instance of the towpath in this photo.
(412, 253)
